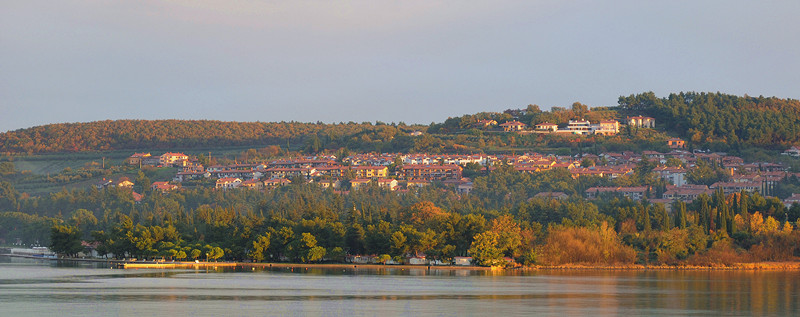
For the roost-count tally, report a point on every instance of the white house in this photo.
(228, 183)
(793, 152)
(547, 126)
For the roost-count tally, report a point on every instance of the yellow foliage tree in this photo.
(583, 245)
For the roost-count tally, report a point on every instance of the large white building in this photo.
(579, 127)
(582, 127)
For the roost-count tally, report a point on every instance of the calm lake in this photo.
(45, 288)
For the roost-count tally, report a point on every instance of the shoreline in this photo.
(757, 266)
(177, 265)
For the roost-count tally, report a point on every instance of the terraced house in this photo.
(369, 171)
(430, 172)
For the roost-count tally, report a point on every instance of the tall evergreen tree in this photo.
(682, 213)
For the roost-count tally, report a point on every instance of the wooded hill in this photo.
(722, 121)
(188, 134)
(705, 120)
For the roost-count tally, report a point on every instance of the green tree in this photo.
(101, 238)
(195, 254)
(216, 253)
(336, 254)
(260, 246)
(316, 253)
(706, 173)
(681, 222)
(485, 250)
(300, 250)
(509, 235)
(674, 246)
(313, 144)
(83, 219)
(399, 243)
(8, 197)
(143, 183)
(65, 240)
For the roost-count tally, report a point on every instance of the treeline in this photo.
(720, 121)
(188, 134)
(305, 223)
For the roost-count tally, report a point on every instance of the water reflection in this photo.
(41, 288)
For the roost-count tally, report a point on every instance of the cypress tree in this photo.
(676, 208)
(729, 221)
(722, 212)
(682, 215)
(743, 204)
(704, 215)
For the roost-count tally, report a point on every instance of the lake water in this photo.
(44, 288)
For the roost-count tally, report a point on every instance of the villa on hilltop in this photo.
(641, 122)
(581, 127)
(513, 126)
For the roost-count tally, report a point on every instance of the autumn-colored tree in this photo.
(582, 245)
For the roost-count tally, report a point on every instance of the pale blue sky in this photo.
(411, 61)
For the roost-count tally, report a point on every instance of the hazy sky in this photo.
(411, 61)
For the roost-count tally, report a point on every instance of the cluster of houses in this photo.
(418, 170)
(689, 192)
(579, 127)
(166, 159)
(358, 171)
(743, 177)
